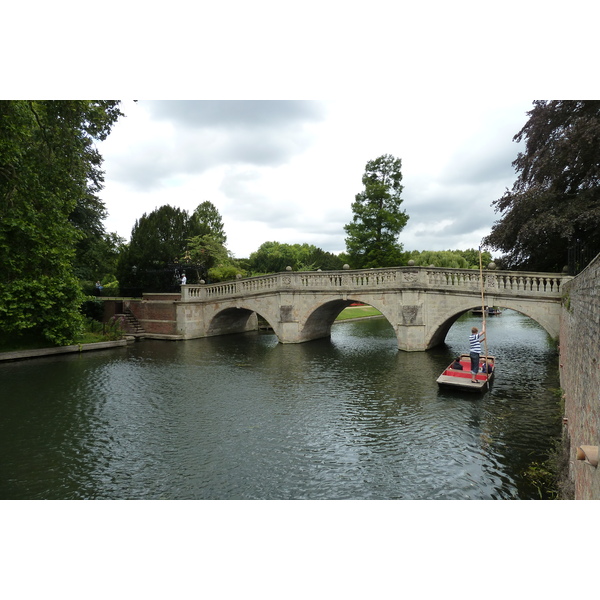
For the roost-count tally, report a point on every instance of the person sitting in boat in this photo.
(456, 364)
(487, 367)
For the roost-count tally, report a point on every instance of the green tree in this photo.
(158, 243)
(49, 177)
(377, 221)
(217, 262)
(438, 258)
(274, 257)
(168, 242)
(472, 257)
(326, 261)
(554, 205)
(97, 258)
(209, 249)
(208, 221)
(450, 259)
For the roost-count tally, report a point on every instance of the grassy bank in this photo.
(358, 312)
(93, 332)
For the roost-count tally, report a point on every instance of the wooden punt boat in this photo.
(490, 311)
(461, 380)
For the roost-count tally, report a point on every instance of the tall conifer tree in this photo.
(378, 220)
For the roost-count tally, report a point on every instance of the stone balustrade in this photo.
(432, 278)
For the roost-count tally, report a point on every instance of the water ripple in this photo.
(243, 417)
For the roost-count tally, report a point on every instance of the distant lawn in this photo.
(356, 312)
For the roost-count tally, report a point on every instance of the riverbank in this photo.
(38, 352)
(352, 313)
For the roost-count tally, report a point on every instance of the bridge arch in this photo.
(317, 318)
(438, 334)
(229, 320)
(421, 303)
(321, 315)
(439, 330)
(237, 319)
(548, 316)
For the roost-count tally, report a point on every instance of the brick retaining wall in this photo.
(580, 374)
(156, 313)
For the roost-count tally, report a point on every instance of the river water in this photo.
(244, 417)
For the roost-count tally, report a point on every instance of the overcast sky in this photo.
(442, 86)
(288, 171)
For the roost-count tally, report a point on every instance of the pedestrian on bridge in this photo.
(475, 340)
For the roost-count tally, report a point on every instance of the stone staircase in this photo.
(132, 325)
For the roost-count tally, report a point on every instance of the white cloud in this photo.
(288, 171)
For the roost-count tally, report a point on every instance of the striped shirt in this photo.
(475, 342)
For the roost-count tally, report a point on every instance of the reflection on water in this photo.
(242, 416)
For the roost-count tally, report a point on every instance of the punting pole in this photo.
(487, 375)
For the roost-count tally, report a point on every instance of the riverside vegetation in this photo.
(91, 332)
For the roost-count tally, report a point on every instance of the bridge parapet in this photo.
(547, 285)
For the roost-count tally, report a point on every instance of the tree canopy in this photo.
(554, 205)
(450, 259)
(169, 241)
(274, 257)
(377, 221)
(50, 174)
(207, 220)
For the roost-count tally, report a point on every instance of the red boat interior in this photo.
(466, 372)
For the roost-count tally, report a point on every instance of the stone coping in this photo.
(39, 352)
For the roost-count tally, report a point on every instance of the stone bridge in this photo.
(421, 303)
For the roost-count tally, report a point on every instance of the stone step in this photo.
(132, 324)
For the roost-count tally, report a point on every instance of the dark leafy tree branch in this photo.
(554, 205)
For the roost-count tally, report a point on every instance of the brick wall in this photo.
(580, 373)
(156, 313)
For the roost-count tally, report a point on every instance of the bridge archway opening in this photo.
(319, 322)
(440, 334)
(232, 320)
